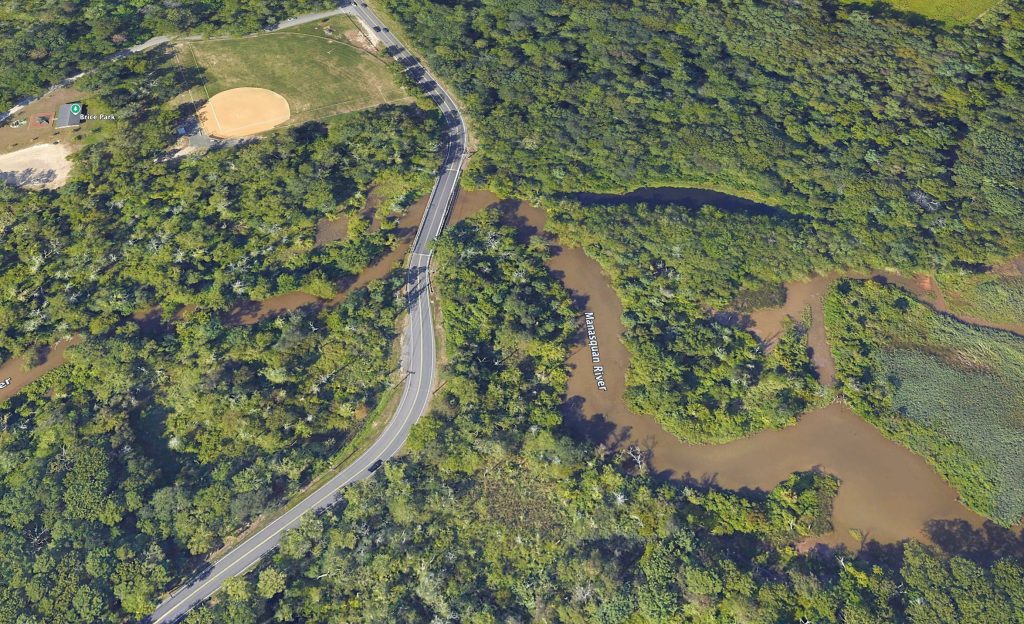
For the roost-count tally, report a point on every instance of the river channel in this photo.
(14, 375)
(887, 493)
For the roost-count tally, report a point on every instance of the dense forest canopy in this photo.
(157, 441)
(43, 42)
(905, 134)
(704, 380)
(494, 515)
(878, 142)
(134, 229)
(881, 141)
(142, 450)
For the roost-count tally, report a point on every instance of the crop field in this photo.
(949, 11)
(951, 392)
(317, 70)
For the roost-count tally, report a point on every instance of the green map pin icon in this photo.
(76, 109)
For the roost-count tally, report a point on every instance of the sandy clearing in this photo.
(242, 112)
(359, 39)
(373, 36)
(39, 166)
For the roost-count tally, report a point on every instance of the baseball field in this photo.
(286, 77)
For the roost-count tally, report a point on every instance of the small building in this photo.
(70, 115)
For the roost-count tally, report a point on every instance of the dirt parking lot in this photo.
(39, 166)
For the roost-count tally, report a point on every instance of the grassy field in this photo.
(994, 297)
(319, 70)
(950, 391)
(949, 11)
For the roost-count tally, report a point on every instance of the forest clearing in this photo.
(949, 11)
(313, 67)
(39, 166)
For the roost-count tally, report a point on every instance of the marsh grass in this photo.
(979, 411)
(950, 391)
(990, 296)
(953, 12)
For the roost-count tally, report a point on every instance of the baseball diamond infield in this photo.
(243, 112)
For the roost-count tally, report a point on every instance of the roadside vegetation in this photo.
(493, 514)
(162, 437)
(145, 450)
(950, 391)
(873, 141)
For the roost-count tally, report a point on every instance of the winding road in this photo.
(418, 353)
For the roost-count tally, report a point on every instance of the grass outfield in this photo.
(319, 74)
(951, 392)
(949, 11)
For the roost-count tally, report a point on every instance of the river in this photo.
(887, 493)
(247, 313)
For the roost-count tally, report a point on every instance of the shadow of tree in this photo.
(982, 545)
(29, 176)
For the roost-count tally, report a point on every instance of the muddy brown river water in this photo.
(14, 376)
(887, 493)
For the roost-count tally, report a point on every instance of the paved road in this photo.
(309, 17)
(418, 357)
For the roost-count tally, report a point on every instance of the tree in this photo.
(271, 582)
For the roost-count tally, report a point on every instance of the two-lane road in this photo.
(418, 357)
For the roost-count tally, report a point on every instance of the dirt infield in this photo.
(39, 166)
(243, 112)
